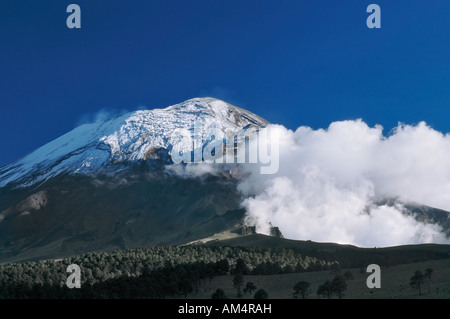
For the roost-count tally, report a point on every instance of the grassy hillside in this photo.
(346, 255)
(394, 283)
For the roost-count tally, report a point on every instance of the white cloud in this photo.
(328, 180)
(100, 116)
(192, 170)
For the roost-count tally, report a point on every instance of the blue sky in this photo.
(292, 62)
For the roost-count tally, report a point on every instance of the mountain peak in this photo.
(126, 138)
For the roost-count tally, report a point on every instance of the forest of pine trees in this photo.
(152, 272)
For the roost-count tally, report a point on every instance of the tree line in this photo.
(151, 272)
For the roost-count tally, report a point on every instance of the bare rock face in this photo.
(33, 202)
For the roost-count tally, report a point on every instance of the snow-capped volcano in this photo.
(129, 137)
(106, 185)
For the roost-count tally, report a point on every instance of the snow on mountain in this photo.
(126, 138)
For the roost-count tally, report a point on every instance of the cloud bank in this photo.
(329, 180)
